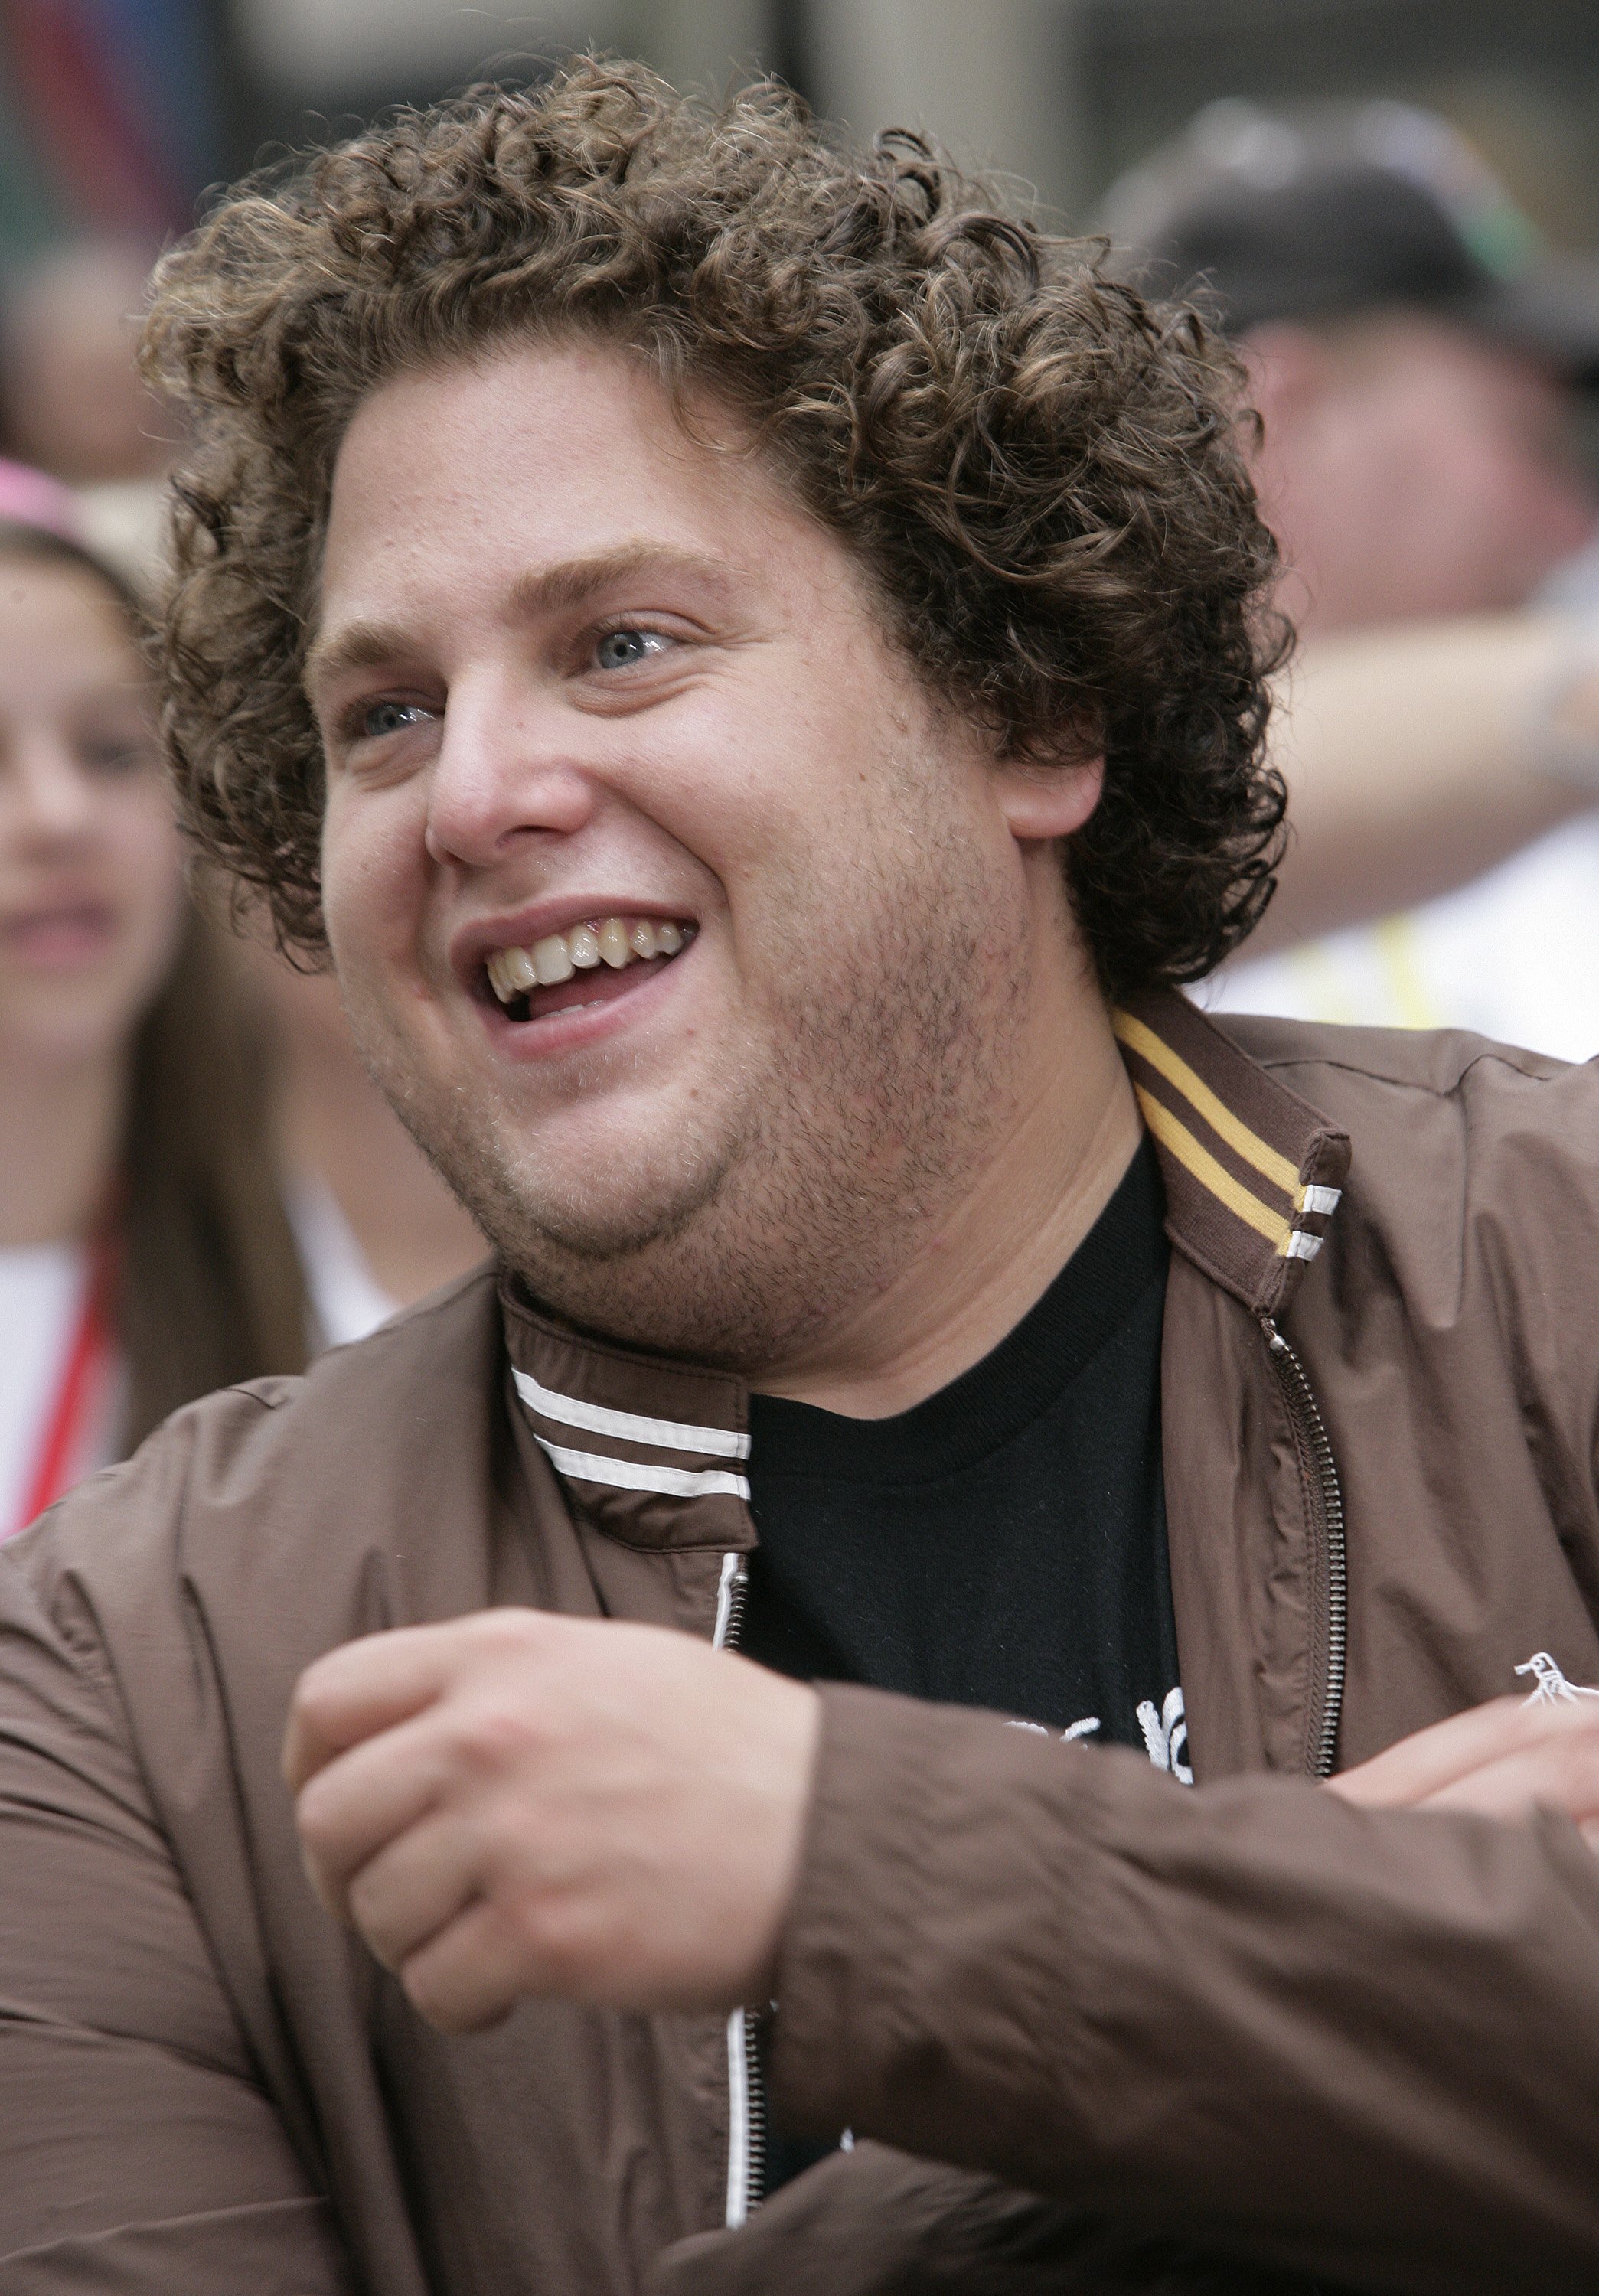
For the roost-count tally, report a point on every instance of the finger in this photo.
(1422, 1764)
(360, 1801)
(470, 1973)
(1560, 1773)
(371, 1685)
(416, 1883)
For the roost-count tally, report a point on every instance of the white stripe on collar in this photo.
(633, 1475)
(630, 1426)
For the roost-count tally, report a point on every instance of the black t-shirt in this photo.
(1002, 1544)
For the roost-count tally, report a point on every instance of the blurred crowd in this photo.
(198, 1181)
(1422, 370)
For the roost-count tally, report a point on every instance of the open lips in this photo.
(568, 970)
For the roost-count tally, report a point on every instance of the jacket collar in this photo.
(654, 1452)
(650, 1452)
(1254, 1173)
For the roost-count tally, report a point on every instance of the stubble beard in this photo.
(825, 1154)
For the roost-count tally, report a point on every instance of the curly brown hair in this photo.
(1039, 470)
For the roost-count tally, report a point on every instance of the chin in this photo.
(68, 1029)
(592, 1204)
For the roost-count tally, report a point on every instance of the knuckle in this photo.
(509, 1632)
(490, 1736)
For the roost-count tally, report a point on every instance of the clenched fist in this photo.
(520, 1803)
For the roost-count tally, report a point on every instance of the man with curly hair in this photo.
(749, 662)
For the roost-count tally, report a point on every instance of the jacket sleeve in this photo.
(138, 2153)
(1360, 2045)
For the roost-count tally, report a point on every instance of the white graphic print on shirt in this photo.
(1165, 1734)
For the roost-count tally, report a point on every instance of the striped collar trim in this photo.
(621, 1469)
(630, 1426)
(651, 1453)
(1253, 1173)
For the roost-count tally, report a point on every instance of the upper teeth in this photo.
(610, 940)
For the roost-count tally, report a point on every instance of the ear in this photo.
(1044, 802)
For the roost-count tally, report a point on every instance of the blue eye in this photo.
(391, 717)
(624, 649)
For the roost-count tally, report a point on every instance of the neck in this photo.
(1049, 1175)
(60, 1127)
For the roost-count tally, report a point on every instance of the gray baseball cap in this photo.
(1327, 210)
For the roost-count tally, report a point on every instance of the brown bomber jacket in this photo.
(1094, 2032)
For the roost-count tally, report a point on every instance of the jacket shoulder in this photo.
(1469, 1230)
(282, 1494)
(1462, 1152)
(1442, 1061)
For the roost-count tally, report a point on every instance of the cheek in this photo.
(373, 879)
(150, 864)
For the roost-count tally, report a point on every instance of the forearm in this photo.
(1414, 762)
(139, 2148)
(1362, 2045)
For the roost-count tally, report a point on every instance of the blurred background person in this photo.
(71, 400)
(180, 1137)
(1417, 364)
(145, 1256)
(1414, 355)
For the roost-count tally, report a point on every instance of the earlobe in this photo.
(1041, 802)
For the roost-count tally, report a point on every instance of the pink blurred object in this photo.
(28, 498)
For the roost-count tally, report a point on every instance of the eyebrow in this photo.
(553, 589)
(556, 589)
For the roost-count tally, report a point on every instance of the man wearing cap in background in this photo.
(1416, 360)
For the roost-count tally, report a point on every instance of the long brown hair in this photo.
(208, 1286)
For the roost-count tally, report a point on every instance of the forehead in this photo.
(469, 475)
(61, 626)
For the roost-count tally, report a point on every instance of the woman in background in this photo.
(146, 1256)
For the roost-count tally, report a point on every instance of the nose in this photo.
(49, 795)
(504, 774)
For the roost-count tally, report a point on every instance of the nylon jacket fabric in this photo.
(1091, 2031)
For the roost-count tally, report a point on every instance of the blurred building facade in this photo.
(115, 114)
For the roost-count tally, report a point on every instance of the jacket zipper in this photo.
(746, 2088)
(1320, 1470)
(747, 2102)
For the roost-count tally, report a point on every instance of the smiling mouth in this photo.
(66, 934)
(590, 963)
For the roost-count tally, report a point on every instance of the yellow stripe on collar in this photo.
(1177, 1139)
(1142, 1039)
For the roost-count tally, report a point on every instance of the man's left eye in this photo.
(624, 649)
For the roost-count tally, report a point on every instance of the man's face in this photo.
(1412, 469)
(587, 685)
